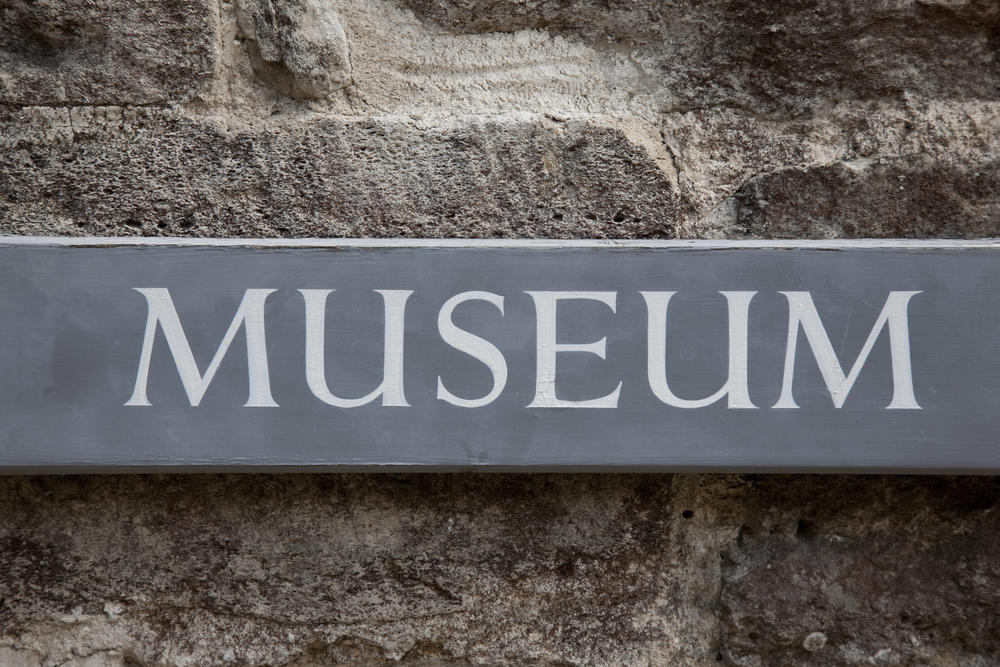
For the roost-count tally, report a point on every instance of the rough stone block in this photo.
(780, 58)
(913, 196)
(330, 177)
(842, 579)
(104, 52)
(301, 570)
(297, 45)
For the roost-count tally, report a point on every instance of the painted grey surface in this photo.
(72, 324)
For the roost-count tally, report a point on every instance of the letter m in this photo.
(802, 312)
(162, 313)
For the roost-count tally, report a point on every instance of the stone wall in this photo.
(500, 118)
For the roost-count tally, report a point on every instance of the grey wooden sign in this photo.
(132, 354)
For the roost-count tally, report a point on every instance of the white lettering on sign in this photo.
(802, 314)
(391, 388)
(250, 316)
(474, 346)
(545, 377)
(736, 386)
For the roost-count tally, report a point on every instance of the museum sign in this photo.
(134, 354)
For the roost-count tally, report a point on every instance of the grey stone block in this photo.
(778, 58)
(912, 196)
(298, 45)
(332, 177)
(500, 569)
(105, 52)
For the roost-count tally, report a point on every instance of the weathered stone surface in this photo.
(916, 171)
(460, 569)
(725, 156)
(331, 177)
(779, 58)
(908, 196)
(261, 569)
(298, 45)
(78, 52)
(891, 572)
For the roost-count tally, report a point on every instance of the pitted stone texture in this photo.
(907, 196)
(895, 571)
(917, 171)
(323, 569)
(782, 58)
(499, 569)
(298, 46)
(157, 174)
(724, 155)
(101, 52)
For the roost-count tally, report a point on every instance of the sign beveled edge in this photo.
(399, 242)
(398, 468)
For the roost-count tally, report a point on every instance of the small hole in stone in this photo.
(619, 217)
(718, 657)
(687, 514)
(132, 222)
(804, 530)
(753, 636)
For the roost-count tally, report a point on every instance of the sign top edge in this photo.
(702, 244)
